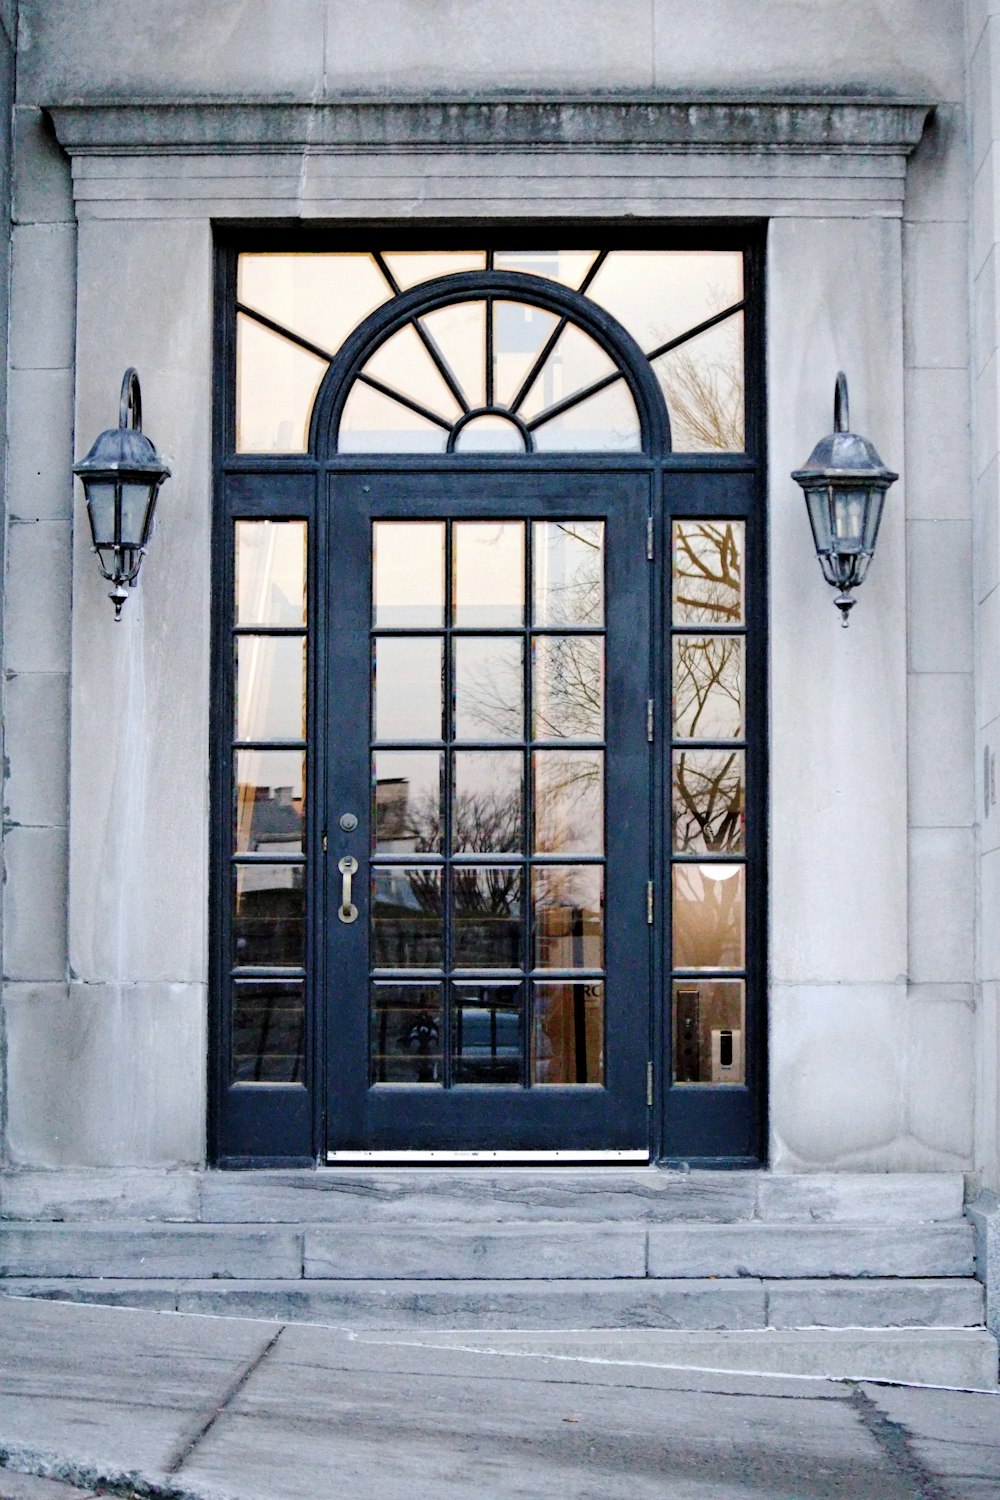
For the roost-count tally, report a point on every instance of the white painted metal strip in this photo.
(414, 1158)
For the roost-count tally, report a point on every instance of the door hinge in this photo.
(649, 720)
(324, 844)
(649, 1085)
(649, 902)
(649, 538)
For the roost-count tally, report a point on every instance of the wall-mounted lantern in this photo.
(121, 476)
(845, 483)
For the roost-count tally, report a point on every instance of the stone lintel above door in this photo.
(645, 155)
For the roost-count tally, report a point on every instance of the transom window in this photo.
(490, 373)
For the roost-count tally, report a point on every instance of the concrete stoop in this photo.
(851, 1275)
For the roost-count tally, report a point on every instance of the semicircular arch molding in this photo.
(626, 367)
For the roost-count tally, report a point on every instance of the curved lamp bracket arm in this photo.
(841, 410)
(131, 401)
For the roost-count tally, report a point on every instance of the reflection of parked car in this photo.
(487, 1044)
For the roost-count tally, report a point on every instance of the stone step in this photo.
(516, 1251)
(480, 1195)
(631, 1303)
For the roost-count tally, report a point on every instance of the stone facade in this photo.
(882, 260)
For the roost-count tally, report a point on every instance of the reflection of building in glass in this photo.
(392, 800)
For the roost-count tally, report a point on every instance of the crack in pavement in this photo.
(895, 1441)
(187, 1445)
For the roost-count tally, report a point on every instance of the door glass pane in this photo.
(569, 801)
(488, 808)
(268, 1031)
(707, 810)
(407, 687)
(404, 365)
(459, 334)
(487, 1031)
(489, 687)
(407, 917)
(703, 382)
(408, 567)
(604, 422)
(270, 801)
(407, 813)
(568, 916)
(575, 363)
(270, 687)
(567, 1033)
(708, 572)
(659, 294)
(519, 335)
(568, 687)
(276, 385)
(407, 1033)
(269, 916)
(566, 266)
(709, 1029)
(410, 267)
(372, 422)
(270, 572)
(709, 916)
(488, 573)
(568, 565)
(708, 687)
(321, 297)
(486, 916)
(490, 432)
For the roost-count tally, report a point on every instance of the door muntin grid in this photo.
(488, 845)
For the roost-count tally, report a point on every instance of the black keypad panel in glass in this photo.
(488, 842)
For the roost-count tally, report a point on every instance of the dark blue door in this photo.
(488, 819)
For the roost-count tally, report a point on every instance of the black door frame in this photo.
(700, 1124)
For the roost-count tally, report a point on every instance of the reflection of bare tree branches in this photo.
(569, 687)
(707, 571)
(575, 550)
(490, 691)
(708, 802)
(705, 401)
(708, 687)
(704, 383)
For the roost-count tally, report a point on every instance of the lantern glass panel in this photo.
(849, 507)
(820, 517)
(101, 509)
(876, 498)
(135, 506)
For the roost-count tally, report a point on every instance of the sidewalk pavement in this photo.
(116, 1401)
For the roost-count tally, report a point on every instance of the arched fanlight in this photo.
(121, 476)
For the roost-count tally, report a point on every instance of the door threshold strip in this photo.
(416, 1158)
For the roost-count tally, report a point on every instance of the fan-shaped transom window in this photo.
(489, 373)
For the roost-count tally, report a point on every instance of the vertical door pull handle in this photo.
(348, 868)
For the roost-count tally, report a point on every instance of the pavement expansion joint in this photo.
(203, 1426)
(894, 1440)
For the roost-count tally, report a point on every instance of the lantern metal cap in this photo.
(122, 450)
(844, 456)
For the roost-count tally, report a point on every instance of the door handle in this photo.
(348, 868)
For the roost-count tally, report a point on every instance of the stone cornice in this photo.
(875, 125)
